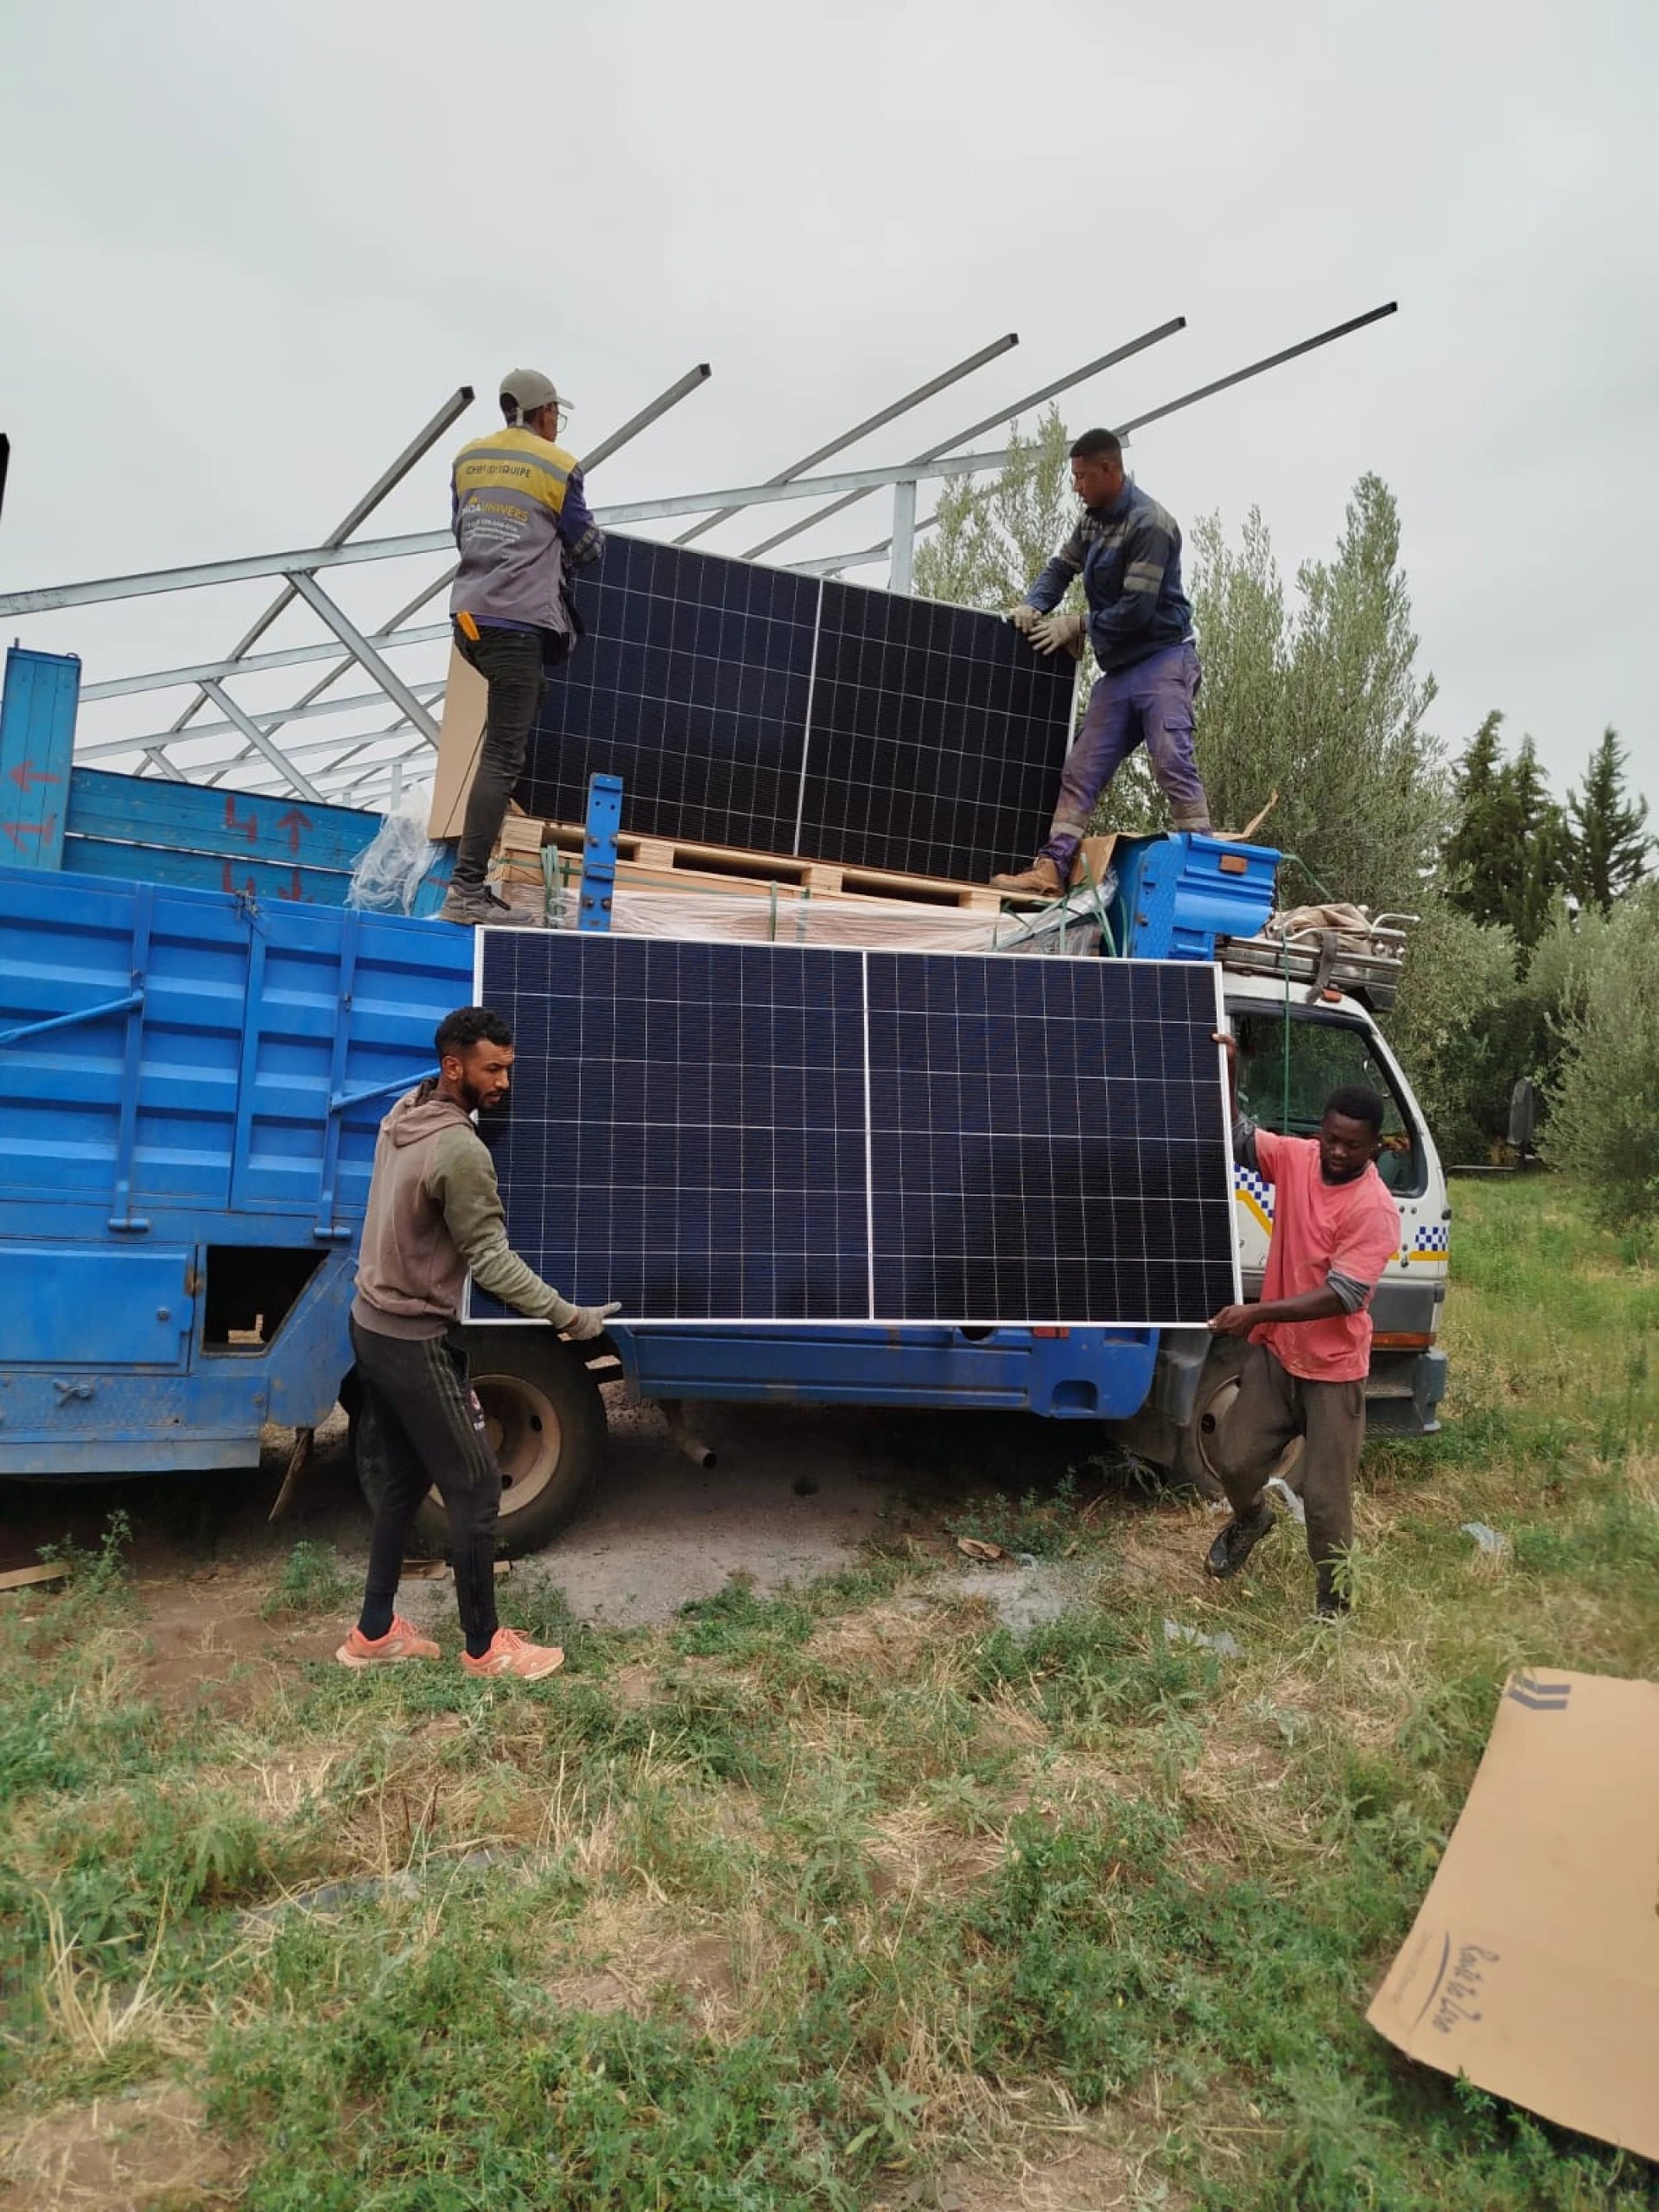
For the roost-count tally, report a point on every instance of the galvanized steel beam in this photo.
(360, 650)
(934, 385)
(927, 464)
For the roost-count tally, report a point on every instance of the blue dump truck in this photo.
(198, 1040)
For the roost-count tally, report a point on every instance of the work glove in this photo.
(1025, 619)
(1058, 631)
(589, 1322)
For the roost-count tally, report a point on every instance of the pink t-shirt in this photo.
(1320, 1229)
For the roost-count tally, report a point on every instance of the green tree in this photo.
(1506, 857)
(1323, 703)
(1538, 842)
(1602, 1125)
(991, 538)
(1463, 1027)
(1607, 846)
(1476, 861)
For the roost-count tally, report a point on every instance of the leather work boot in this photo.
(1238, 1540)
(1197, 825)
(1042, 877)
(480, 908)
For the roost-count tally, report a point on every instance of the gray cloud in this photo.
(249, 252)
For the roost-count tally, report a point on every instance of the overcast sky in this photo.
(250, 250)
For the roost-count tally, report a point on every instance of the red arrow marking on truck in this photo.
(26, 774)
(18, 830)
(292, 890)
(294, 822)
(249, 828)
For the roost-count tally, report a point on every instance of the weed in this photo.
(538, 1605)
(310, 1582)
(736, 1624)
(95, 1574)
(1045, 1525)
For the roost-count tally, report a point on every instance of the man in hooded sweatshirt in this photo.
(434, 1217)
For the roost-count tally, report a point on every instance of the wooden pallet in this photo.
(675, 864)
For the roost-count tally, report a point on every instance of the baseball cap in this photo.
(529, 389)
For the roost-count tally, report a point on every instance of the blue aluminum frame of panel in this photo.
(765, 1135)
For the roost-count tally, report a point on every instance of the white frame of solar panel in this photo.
(506, 1319)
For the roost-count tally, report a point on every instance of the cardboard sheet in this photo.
(460, 734)
(1533, 1964)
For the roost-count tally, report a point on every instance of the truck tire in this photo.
(546, 1423)
(1195, 1446)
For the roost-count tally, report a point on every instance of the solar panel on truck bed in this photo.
(937, 737)
(753, 1133)
(692, 685)
(749, 706)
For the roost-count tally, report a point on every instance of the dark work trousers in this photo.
(419, 1427)
(1273, 1406)
(510, 661)
(1151, 704)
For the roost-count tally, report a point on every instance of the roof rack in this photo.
(1365, 964)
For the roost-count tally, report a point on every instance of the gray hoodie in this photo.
(434, 1217)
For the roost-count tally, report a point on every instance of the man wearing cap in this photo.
(521, 524)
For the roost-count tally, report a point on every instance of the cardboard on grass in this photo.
(1533, 1964)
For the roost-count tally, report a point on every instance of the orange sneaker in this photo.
(510, 1653)
(400, 1641)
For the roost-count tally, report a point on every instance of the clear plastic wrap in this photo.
(398, 859)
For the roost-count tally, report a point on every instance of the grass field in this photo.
(852, 1897)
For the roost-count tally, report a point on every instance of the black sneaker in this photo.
(1330, 1604)
(1238, 1540)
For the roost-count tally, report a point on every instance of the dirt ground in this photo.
(794, 1492)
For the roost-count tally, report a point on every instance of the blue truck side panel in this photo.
(1077, 1375)
(272, 849)
(187, 1080)
(37, 741)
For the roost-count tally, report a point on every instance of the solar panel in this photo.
(749, 706)
(692, 685)
(937, 737)
(767, 1133)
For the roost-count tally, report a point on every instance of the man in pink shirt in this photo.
(1335, 1228)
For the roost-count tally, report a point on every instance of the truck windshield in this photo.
(1286, 1094)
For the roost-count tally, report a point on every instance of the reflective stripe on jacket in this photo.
(1128, 554)
(519, 519)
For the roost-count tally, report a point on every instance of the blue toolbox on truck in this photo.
(1177, 894)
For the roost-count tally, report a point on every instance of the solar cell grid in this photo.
(767, 1133)
(691, 685)
(936, 740)
(750, 707)
(688, 1128)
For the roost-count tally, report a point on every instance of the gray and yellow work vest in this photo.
(519, 516)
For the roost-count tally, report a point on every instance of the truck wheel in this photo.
(546, 1424)
(1196, 1445)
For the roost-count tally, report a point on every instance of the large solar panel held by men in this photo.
(755, 1133)
(750, 707)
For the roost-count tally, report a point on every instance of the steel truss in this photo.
(367, 766)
